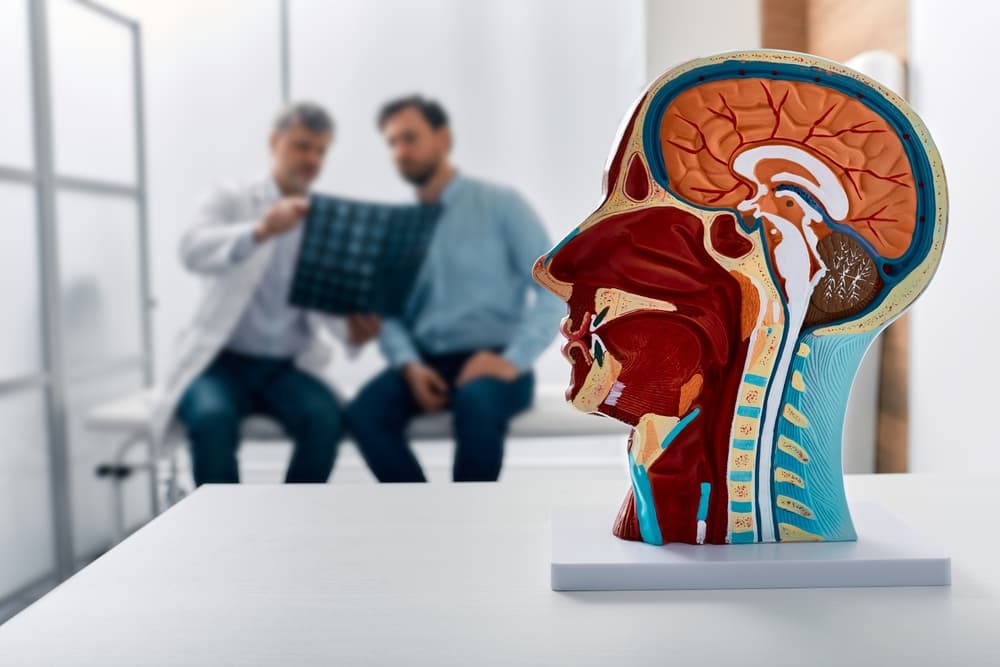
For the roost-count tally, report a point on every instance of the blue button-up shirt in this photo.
(475, 289)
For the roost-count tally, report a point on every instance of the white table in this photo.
(458, 574)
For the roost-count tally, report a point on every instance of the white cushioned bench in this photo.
(130, 418)
(549, 416)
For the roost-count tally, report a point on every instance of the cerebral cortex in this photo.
(706, 127)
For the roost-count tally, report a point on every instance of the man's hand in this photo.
(362, 327)
(429, 389)
(284, 215)
(487, 364)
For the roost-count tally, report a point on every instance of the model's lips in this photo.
(576, 337)
(576, 350)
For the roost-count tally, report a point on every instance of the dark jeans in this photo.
(481, 410)
(235, 386)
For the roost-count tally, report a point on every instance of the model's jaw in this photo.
(631, 358)
(650, 309)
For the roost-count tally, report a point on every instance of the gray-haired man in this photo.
(248, 351)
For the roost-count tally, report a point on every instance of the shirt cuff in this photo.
(403, 357)
(522, 361)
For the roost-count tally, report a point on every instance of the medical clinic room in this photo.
(497, 332)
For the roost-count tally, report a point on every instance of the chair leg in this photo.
(118, 502)
(153, 449)
(174, 492)
(119, 471)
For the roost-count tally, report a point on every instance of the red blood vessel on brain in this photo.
(765, 216)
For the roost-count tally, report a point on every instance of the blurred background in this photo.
(118, 116)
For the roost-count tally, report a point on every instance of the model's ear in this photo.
(447, 138)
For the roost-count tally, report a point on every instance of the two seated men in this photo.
(473, 325)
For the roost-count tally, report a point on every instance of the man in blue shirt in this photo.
(475, 321)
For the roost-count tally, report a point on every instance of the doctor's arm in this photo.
(218, 239)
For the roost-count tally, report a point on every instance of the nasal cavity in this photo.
(636, 180)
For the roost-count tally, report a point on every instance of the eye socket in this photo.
(636, 180)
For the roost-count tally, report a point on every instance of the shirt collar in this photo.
(269, 188)
(451, 190)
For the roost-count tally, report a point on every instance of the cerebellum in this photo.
(851, 281)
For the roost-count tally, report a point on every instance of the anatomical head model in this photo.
(765, 215)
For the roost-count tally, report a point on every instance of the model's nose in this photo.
(545, 278)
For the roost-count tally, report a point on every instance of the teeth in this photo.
(616, 392)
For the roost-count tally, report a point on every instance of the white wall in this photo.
(954, 325)
(535, 90)
(680, 31)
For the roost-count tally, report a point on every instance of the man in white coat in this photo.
(247, 350)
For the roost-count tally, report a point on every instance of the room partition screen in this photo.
(73, 275)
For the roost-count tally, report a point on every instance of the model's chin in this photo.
(597, 387)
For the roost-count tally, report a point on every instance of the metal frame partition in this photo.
(55, 375)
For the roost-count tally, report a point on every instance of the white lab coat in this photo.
(222, 219)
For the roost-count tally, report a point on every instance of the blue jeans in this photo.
(235, 386)
(481, 411)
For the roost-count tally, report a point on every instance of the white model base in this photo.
(587, 557)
